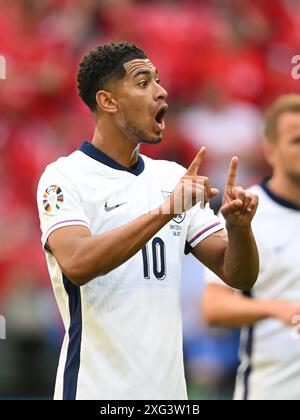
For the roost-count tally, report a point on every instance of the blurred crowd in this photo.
(222, 62)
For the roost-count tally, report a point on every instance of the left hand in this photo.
(239, 206)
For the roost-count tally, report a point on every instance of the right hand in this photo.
(191, 188)
(284, 311)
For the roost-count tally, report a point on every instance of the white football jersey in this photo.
(270, 350)
(123, 330)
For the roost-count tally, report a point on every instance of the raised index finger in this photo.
(195, 165)
(231, 177)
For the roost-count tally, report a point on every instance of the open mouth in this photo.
(160, 116)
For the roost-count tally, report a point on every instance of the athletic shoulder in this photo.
(164, 167)
(63, 167)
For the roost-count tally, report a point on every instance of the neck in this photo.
(115, 145)
(285, 188)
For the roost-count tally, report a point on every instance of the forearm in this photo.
(82, 257)
(241, 259)
(226, 308)
(98, 255)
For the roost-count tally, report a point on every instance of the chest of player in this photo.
(279, 244)
(116, 202)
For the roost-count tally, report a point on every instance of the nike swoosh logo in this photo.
(108, 208)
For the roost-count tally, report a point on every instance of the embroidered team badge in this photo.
(53, 199)
(180, 218)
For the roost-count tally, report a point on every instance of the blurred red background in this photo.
(222, 62)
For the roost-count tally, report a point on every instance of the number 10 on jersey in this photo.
(155, 253)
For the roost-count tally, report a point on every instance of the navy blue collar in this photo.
(282, 201)
(91, 151)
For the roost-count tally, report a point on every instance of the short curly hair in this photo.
(101, 65)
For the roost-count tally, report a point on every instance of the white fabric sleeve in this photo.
(59, 203)
(203, 223)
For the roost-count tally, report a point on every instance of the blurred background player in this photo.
(270, 350)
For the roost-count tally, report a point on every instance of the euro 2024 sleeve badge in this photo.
(53, 199)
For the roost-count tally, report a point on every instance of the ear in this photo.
(106, 101)
(270, 153)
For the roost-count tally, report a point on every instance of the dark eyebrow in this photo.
(147, 72)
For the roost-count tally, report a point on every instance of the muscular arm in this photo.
(232, 257)
(82, 257)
